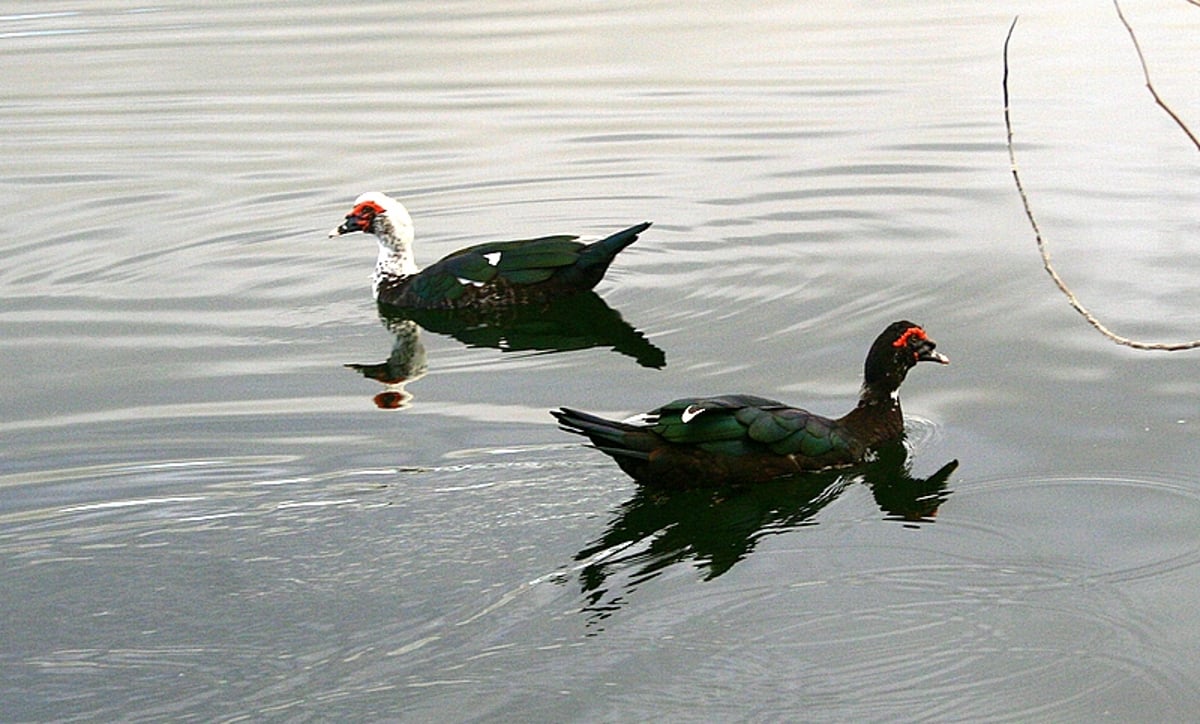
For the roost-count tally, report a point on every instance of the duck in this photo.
(491, 275)
(734, 440)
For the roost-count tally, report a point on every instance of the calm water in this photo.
(205, 516)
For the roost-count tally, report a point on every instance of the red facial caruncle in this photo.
(365, 213)
(909, 333)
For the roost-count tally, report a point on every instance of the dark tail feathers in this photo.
(603, 251)
(609, 436)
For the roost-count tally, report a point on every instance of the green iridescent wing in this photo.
(744, 424)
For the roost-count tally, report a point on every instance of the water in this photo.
(206, 515)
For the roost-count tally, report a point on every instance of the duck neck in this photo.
(877, 418)
(395, 260)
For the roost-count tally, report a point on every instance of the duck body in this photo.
(727, 440)
(506, 273)
(743, 439)
(490, 275)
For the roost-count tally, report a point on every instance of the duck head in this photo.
(897, 350)
(379, 214)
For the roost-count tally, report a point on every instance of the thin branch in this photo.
(1146, 73)
(1041, 243)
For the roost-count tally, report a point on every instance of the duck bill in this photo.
(932, 355)
(359, 219)
(349, 226)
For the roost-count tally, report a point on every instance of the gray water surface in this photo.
(204, 515)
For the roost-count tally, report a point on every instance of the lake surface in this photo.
(206, 515)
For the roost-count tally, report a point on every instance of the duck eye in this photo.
(909, 335)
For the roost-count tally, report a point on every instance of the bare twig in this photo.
(1146, 73)
(1037, 232)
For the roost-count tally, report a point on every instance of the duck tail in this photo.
(609, 436)
(601, 253)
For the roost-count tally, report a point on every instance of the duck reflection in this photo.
(901, 496)
(405, 364)
(578, 322)
(716, 528)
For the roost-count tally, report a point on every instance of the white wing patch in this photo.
(644, 419)
(469, 282)
(690, 413)
(493, 258)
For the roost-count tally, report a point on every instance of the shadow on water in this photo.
(717, 528)
(581, 321)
